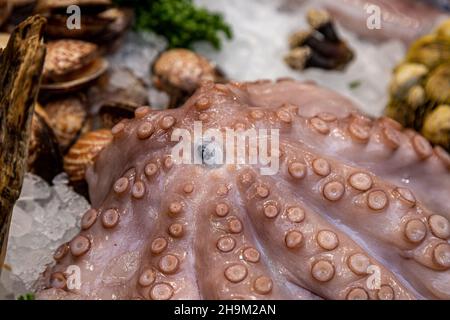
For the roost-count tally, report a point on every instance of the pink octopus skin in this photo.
(405, 20)
(351, 192)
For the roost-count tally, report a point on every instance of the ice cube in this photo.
(40, 223)
(34, 188)
(20, 224)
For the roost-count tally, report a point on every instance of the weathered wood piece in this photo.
(21, 65)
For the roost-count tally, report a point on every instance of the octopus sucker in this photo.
(330, 260)
(347, 214)
(231, 265)
(372, 208)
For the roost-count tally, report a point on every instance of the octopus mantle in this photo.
(359, 208)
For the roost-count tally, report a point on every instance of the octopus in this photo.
(405, 20)
(358, 208)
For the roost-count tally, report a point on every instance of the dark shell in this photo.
(5, 11)
(91, 26)
(68, 118)
(45, 6)
(44, 157)
(100, 22)
(111, 114)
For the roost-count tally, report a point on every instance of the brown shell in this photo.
(112, 113)
(83, 153)
(79, 79)
(184, 69)
(5, 11)
(44, 157)
(47, 5)
(121, 20)
(67, 117)
(91, 26)
(179, 73)
(19, 3)
(67, 56)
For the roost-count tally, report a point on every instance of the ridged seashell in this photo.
(67, 117)
(71, 65)
(179, 72)
(65, 57)
(82, 154)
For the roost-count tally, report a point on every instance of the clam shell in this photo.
(84, 78)
(83, 153)
(67, 117)
(44, 157)
(65, 57)
(47, 5)
(91, 26)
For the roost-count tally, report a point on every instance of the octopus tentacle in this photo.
(352, 197)
(312, 250)
(400, 156)
(232, 265)
(361, 200)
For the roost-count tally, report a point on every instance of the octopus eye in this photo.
(211, 153)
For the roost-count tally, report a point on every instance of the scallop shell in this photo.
(87, 76)
(83, 153)
(65, 57)
(179, 73)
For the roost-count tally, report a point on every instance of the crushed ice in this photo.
(44, 217)
(261, 31)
